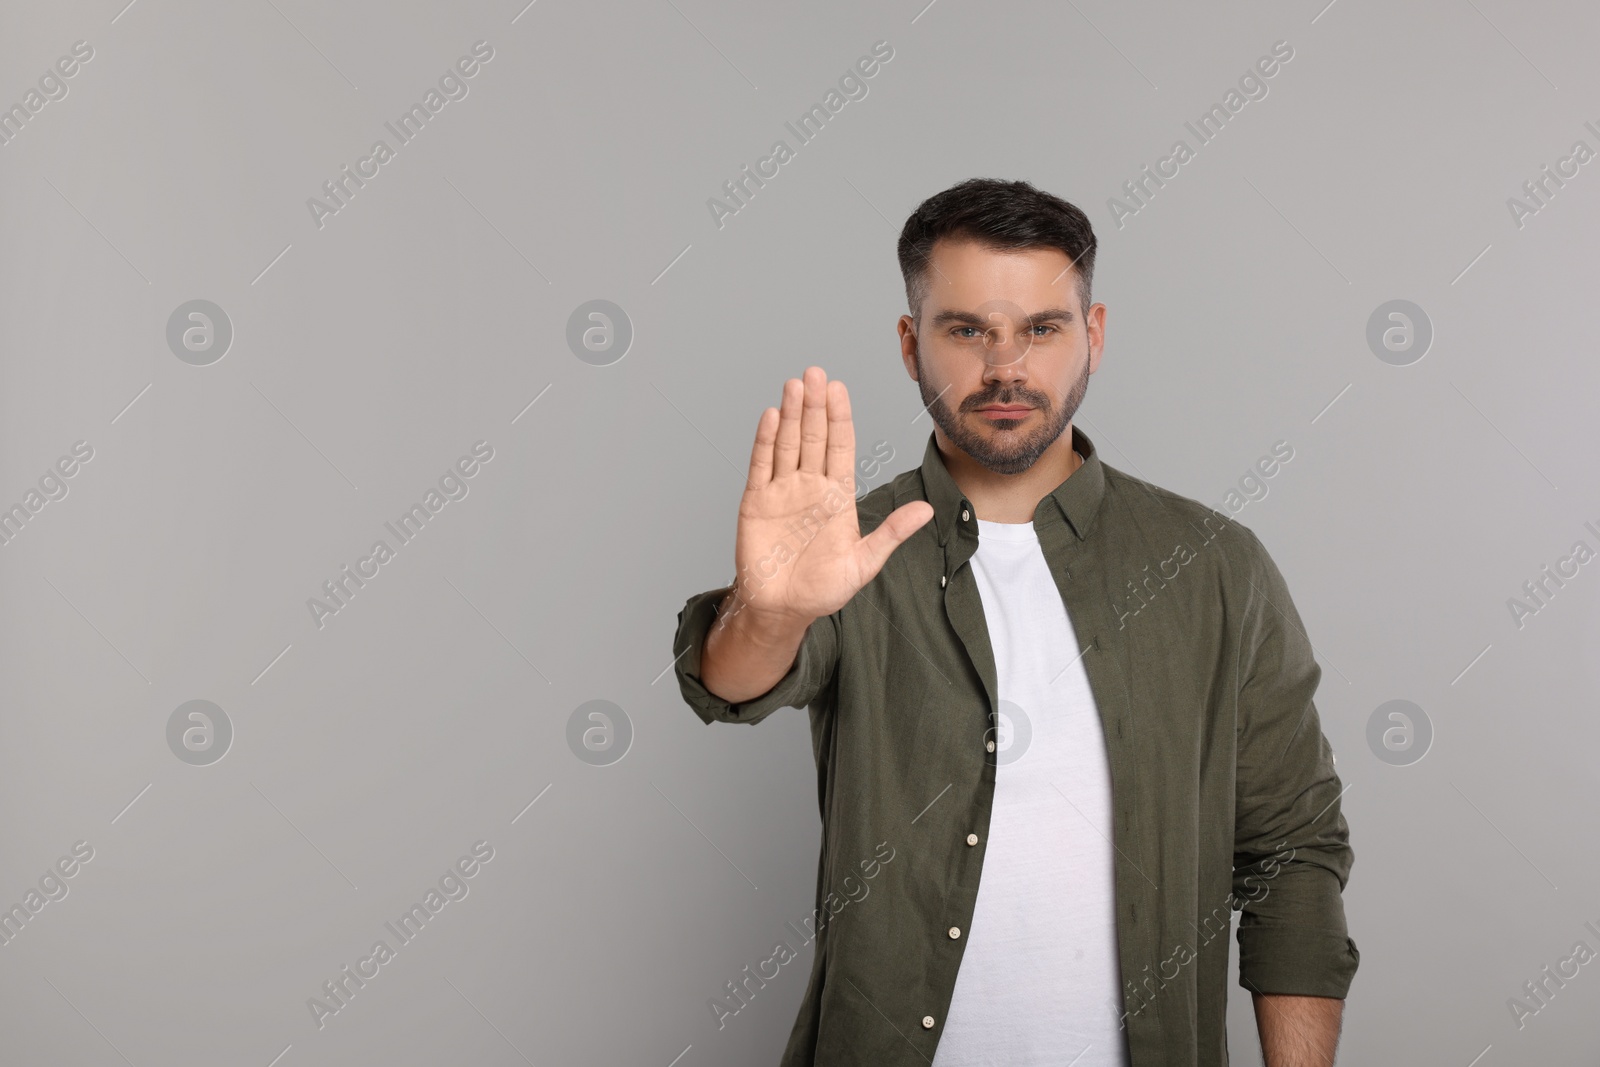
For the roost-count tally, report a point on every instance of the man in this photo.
(1091, 691)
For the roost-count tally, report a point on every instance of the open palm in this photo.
(799, 552)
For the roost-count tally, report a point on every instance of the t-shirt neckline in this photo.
(1006, 531)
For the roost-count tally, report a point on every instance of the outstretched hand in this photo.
(799, 553)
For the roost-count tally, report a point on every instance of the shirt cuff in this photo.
(699, 614)
(1294, 940)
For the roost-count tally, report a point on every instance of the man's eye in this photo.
(1043, 326)
(966, 332)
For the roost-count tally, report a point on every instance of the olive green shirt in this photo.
(1224, 793)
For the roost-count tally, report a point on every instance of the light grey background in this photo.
(369, 354)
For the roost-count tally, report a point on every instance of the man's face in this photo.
(1002, 329)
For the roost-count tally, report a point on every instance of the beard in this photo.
(1004, 449)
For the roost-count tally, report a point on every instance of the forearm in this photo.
(747, 653)
(1297, 1031)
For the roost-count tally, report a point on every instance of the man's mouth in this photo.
(1005, 411)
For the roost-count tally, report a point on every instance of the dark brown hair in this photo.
(1009, 216)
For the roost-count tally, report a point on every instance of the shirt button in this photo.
(965, 515)
(955, 932)
(941, 581)
(927, 1022)
(972, 839)
(990, 746)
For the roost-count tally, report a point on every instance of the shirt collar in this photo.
(1076, 499)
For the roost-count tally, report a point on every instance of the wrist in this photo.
(762, 627)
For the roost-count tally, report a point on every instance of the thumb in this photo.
(874, 550)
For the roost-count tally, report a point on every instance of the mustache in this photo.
(972, 403)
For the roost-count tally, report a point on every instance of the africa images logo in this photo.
(452, 86)
(852, 86)
(342, 588)
(339, 990)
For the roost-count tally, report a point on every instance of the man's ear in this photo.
(906, 328)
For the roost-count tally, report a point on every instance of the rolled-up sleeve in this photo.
(1292, 855)
(812, 671)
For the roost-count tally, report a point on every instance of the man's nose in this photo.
(1004, 350)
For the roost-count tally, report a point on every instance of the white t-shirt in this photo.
(1040, 981)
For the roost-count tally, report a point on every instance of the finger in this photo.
(814, 421)
(874, 550)
(841, 434)
(761, 451)
(786, 456)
